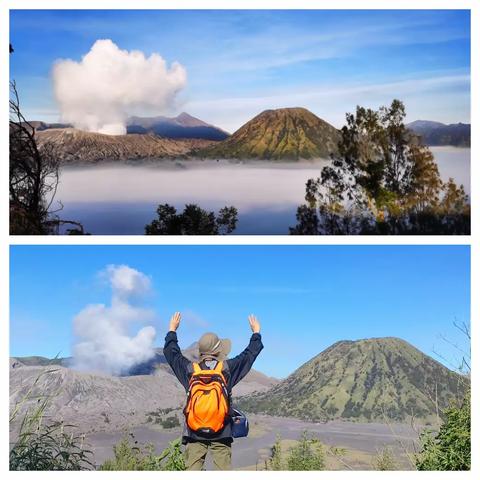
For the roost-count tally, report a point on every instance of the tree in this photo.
(306, 455)
(34, 175)
(381, 181)
(450, 448)
(192, 221)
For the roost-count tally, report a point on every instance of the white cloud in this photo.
(103, 342)
(98, 93)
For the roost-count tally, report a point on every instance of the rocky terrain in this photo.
(78, 147)
(368, 380)
(99, 402)
(283, 134)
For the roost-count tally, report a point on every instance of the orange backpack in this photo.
(207, 401)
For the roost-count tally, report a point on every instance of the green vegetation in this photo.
(192, 221)
(382, 379)
(45, 445)
(158, 417)
(130, 455)
(384, 460)
(382, 181)
(306, 454)
(283, 134)
(450, 448)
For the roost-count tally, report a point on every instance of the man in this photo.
(212, 357)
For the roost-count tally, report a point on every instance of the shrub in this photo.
(276, 461)
(46, 446)
(450, 448)
(130, 455)
(170, 422)
(307, 455)
(384, 460)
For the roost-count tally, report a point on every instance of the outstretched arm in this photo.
(179, 364)
(240, 365)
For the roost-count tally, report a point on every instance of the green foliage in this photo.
(50, 447)
(169, 422)
(130, 455)
(45, 446)
(307, 455)
(382, 181)
(192, 221)
(384, 460)
(276, 460)
(450, 448)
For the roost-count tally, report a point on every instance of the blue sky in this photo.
(242, 62)
(306, 297)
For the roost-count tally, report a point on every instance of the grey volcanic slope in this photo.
(97, 402)
(94, 401)
(368, 380)
(283, 134)
(79, 147)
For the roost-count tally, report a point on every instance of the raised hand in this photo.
(174, 322)
(254, 323)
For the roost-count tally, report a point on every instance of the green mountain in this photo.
(283, 134)
(367, 380)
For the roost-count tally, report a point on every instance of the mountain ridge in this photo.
(440, 134)
(79, 147)
(183, 125)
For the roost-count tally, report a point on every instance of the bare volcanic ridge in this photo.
(77, 146)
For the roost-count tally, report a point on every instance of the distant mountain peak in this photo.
(438, 134)
(183, 125)
(188, 120)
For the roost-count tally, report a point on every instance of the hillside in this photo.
(98, 402)
(367, 380)
(283, 134)
(439, 134)
(181, 126)
(79, 147)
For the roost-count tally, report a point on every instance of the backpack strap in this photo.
(218, 368)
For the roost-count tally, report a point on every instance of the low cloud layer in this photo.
(99, 92)
(103, 339)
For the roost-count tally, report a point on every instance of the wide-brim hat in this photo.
(210, 346)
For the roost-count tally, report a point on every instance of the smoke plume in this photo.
(98, 93)
(103, 342)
